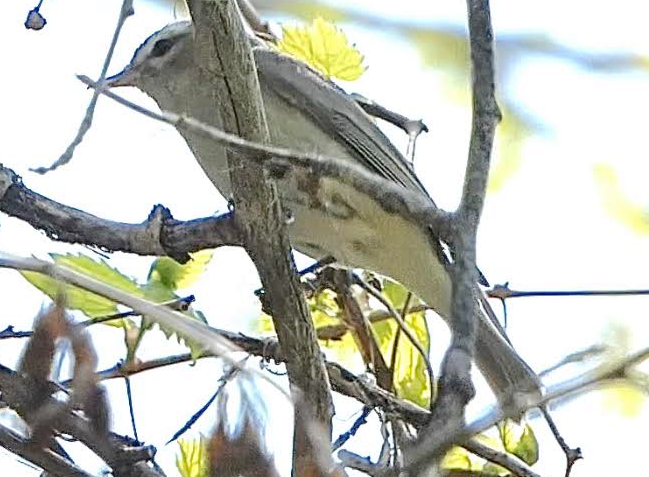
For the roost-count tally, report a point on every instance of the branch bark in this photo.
(227, 64)
(159, 234)
(455, 386)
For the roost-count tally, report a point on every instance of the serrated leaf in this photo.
(158, 292)
(78, 299)
(324, 47)
(507, 434)
(100, 270)
(191, 459)
(489, 468)
(175, 275)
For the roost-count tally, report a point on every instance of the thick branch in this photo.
(159, 234)
(228, 65)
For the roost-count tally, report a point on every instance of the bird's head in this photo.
(158, 61)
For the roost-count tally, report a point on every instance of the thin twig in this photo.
(572, 454)
(364, 464)
(503, 292)
(223, 380)
(179, 304)
(412, 127)
(131, 410)
(345, 436)
(125, 12)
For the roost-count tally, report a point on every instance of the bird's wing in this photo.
(337, 114)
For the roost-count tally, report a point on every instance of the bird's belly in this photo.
(333, 219)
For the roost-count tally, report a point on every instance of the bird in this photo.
(307, 112)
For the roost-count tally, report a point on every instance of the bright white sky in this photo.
(546, 229)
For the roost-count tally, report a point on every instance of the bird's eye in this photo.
(161, 47)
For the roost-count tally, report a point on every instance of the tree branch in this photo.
(455, 385)
(159, 234)
(124, 459)
(508, 461)
(44, 458)
(224, 60)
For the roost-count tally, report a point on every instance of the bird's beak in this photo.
(126, 77)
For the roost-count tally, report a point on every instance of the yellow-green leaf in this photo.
(527, 448)
(519, 440)
(158, 292)
(410, 376)
(175, 275)
(458, 458)
(324, 47)
(78, 299)
(395, 293)
(191, 460)
(324, 313)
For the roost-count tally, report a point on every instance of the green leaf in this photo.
(78, 299)
(325, 47)
(519, 441)
(174, 275)
(191, 460)
(527, 448)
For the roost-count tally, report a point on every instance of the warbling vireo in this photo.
(306, 112)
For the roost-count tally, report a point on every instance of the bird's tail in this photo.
(503, 368)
